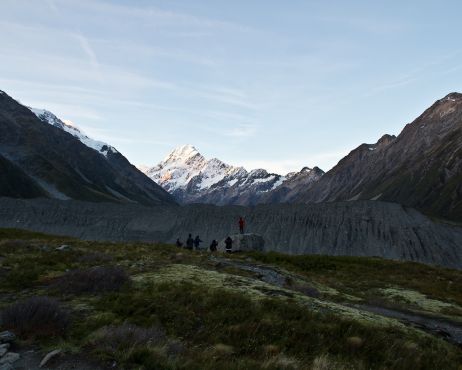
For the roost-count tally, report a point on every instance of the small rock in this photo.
(49, 356)
(411, 346)
(4, 348)
(223, 350)
(244, 243)
(355, 342)
(178, 257)
(7, 337)
(64, 247)
(9, 358)
(271, 349)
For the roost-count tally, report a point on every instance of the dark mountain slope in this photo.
(422, 167)
(15, 183)
(64, 168)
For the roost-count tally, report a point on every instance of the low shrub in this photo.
(119, 343)
(94, 258)
(92, 280)
(35, 317)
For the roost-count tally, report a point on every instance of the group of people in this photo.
(194, 243)
(190, 243)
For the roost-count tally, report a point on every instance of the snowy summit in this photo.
(71, 128)
(191, 178)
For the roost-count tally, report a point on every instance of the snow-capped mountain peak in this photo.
(71, 128)
(182, 153)
(190, 177)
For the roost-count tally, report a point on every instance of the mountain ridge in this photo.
(421, 167)
(191, 178)
(61, 166)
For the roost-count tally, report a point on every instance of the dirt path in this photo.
(446, 329)
(450, 331)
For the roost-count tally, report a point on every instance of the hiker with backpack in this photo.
(213, 246)
(229, 245)
(190, 243)
(197, 242)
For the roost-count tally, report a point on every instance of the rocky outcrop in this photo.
(361, 228)
(421, 168)
(244, 243)
(7, 358)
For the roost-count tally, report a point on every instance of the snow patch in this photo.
(232, 182)
(279, 182)
(69, 127)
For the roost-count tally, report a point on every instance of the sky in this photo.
(258, 83)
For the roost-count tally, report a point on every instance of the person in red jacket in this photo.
(241, 225)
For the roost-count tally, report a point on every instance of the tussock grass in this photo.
(93, 280)
(231, 326)
(36, 317)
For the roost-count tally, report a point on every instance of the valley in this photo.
(328, 297)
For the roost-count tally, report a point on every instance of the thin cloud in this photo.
(365, 24)
(162, 18)
(89, 52)
(51, 4)
(241, 131)
(81, 39)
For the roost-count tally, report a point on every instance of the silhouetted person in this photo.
(178, 243)
(197, 241)
(213, 246)
(190, 242)
(241, 225)
(229, 245)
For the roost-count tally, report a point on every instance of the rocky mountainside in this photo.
(43, 159)
(421, 168)
(15, 183)
(191, 178)
(361, 228)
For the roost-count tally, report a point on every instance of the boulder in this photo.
(7, 337)
(9, 358)
(244, 243)
(4, 348)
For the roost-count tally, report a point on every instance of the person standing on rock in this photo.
(197, 242)
(241, 225)
(229, 245)
(213, 246)
(190, 243)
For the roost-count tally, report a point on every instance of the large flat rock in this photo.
(244, 243)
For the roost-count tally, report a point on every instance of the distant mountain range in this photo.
(41, 156)
(421, 168)
(191, 178)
